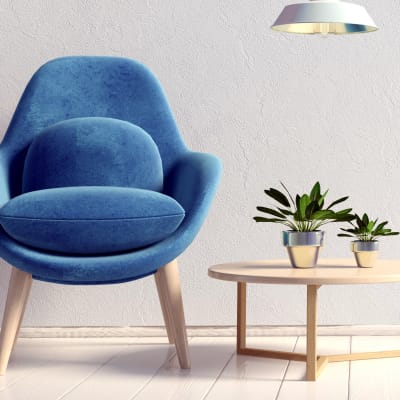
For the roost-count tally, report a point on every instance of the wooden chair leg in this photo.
(18, 292)
(168, 277)
(164, 308)
(21, 317)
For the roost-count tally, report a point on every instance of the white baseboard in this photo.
(118, 332)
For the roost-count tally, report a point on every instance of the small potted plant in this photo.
(304, 215)
(366, 230)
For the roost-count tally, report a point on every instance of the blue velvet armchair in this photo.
(98, 187)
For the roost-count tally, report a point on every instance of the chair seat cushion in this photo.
(91, 219)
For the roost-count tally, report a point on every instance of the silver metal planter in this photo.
(366, 253)
(303, 247)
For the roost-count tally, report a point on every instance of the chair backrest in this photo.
(86, 86)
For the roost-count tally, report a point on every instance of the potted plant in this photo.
(304, 215)
(366, 247)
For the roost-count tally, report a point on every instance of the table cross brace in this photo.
(314, 363)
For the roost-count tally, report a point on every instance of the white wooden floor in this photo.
(147, 369)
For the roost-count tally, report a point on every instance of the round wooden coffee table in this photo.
(328, 272)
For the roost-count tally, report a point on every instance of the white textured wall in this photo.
(272, 107)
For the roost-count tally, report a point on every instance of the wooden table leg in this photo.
(311, 374)
(314, 363)
(241, 317)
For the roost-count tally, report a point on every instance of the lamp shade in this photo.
(324, 16)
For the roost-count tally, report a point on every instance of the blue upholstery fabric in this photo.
(117, 88)
(91, 219)
(65, 154)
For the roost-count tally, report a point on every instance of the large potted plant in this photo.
(366, 246)
(304, 215)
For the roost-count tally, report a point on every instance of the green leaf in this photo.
(278, 196)
(311, 208)
(349, 230)
(271, 211)
(359, 221)
(321, 199)
(344, 217)
(262, 219)
(288, 193)
(381, 225)
(303, 203)
(285, 212)
(370, 226)
(315, 191)
(323, 214)
(343, 212)
(342, 199)
(344, 235)
(297, 202)
(365, 220)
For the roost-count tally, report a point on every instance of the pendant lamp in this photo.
(324, 17)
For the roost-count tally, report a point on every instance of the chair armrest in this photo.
(193, 182)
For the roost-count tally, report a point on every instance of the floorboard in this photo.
(375, 379)
(209, 356)
(146, 368)
(247, 377)
(333, 382)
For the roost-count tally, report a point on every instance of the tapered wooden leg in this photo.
(241, 317)
(312, 365)
(18, 292)
(168, 277)
(28, 288)
(164, 308)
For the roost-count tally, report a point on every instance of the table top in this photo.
(327, 272)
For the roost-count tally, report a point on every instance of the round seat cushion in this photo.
(93, 151)
(91, 220)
